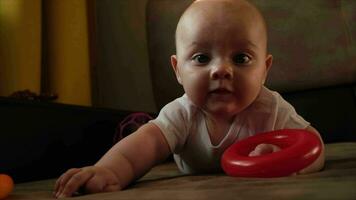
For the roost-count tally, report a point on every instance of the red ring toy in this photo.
(299, 148)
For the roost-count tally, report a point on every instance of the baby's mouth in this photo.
(220, 91)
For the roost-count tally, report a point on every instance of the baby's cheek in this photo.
(198, 95)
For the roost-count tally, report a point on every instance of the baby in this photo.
(222, 63)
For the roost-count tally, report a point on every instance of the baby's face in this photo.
(221, 57)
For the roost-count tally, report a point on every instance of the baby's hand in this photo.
(93, 179)
(263, 149)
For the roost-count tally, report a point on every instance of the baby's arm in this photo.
(318, 164)
(125, 162)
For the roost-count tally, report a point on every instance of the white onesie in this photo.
(184, 127)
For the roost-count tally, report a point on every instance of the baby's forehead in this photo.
(223, 10)
(238, 7)
(229, 12)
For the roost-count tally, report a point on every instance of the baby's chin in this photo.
(223, 110)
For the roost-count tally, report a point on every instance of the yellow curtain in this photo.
(68, 50)
(64, 25)
(20, 46)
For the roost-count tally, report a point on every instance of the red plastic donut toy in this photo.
(299, 148)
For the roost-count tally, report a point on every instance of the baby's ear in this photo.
(268, 63)
(175, 68)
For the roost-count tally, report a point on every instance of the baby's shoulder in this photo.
(272, 101)
(267, 98)
(181, 107)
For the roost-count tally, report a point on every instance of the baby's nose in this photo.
(222, 72)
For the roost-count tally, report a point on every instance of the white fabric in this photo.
(185, 130)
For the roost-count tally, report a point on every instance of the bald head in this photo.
(216, 12)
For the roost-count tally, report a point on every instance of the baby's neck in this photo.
(217, 127)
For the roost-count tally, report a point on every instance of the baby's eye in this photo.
(241, 59)
(201, 58)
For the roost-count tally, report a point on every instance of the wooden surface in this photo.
(336, 181)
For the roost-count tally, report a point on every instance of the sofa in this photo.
(40, 140)
(314, 58)
(313, 44)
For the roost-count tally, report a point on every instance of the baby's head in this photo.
(221, 55)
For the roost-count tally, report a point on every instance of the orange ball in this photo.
(6, 185)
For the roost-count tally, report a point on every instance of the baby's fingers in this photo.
(63, 179)
(263, 149)
(98, 184)
(75, 182)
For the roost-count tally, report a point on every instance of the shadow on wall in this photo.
(123, 78)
